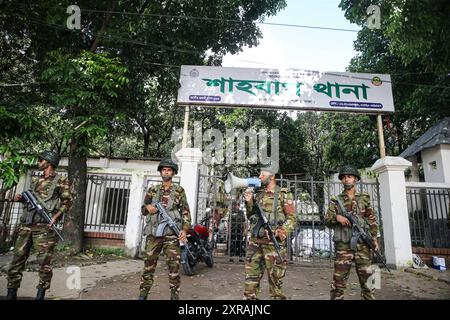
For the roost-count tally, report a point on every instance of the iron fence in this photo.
(8, 218)
(107, 198)
(106, 205)
(429, 216)
(311, 241)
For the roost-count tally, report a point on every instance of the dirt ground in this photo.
(225, 281)
(62, 259)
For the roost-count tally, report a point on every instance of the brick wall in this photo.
(101, 239)
(426, 253)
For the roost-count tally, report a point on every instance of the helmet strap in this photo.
(348, 186)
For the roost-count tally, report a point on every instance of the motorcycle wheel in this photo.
(187, 263)
(209, 260)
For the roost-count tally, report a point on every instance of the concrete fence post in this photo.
(394, 208)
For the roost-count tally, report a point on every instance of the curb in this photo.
(424, 274)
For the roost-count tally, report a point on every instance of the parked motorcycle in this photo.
(200, 249)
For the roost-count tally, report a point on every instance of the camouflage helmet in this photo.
(168, 163)
(349, 170)
(51, 156)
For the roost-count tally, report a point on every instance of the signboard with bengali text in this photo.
(285, 89)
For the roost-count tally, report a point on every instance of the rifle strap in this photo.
(358, 211)
(341, 206)
(275, 203)
(157, 199)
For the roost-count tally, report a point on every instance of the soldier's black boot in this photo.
(143, 295)
(12, 294)
(173, 295)
(40, 294)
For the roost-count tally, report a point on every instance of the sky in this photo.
(302, 48)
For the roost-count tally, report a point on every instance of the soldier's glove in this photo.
(151, 209)
(376, 247)
(280, 233)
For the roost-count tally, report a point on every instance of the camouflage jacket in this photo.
(359, 206)
(283, 216)
(221, 201)
(179, 204)
(55, 196)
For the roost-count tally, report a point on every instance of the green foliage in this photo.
(105, 251)
(18, 123)
(413, 46)
(84, 87)
(17, 129)
(12, 165)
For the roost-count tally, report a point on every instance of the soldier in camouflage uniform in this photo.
(173, 198)
(278, 206)
(357, 204)
(53, 191)
(220, 204)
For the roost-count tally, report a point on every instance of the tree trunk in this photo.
(3, 225)
(146, 136)
(74, 222)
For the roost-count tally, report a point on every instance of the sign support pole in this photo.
(381, 136)
(185, 128)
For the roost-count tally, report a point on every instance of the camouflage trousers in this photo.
(43, 242)
(342, 266)
(171, 249)
(261, 257)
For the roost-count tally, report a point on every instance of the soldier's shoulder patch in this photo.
(63, 179)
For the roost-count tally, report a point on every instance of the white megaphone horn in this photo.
(234, 182)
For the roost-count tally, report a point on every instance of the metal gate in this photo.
(310, 243)
(8, 216)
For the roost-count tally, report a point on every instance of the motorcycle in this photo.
(200, 249)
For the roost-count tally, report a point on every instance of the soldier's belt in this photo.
(265, 241)
(262, 241)
(34, 226)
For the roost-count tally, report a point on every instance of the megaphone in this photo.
(234, 182)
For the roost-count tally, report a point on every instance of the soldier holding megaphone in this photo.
(278, 207)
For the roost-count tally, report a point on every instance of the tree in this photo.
(145, 36)
(83, 89)
(413, 46)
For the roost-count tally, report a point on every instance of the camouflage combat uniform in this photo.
(366, 217)
(220, 204)
(174, 200)
(278, 207)
(54, 192)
